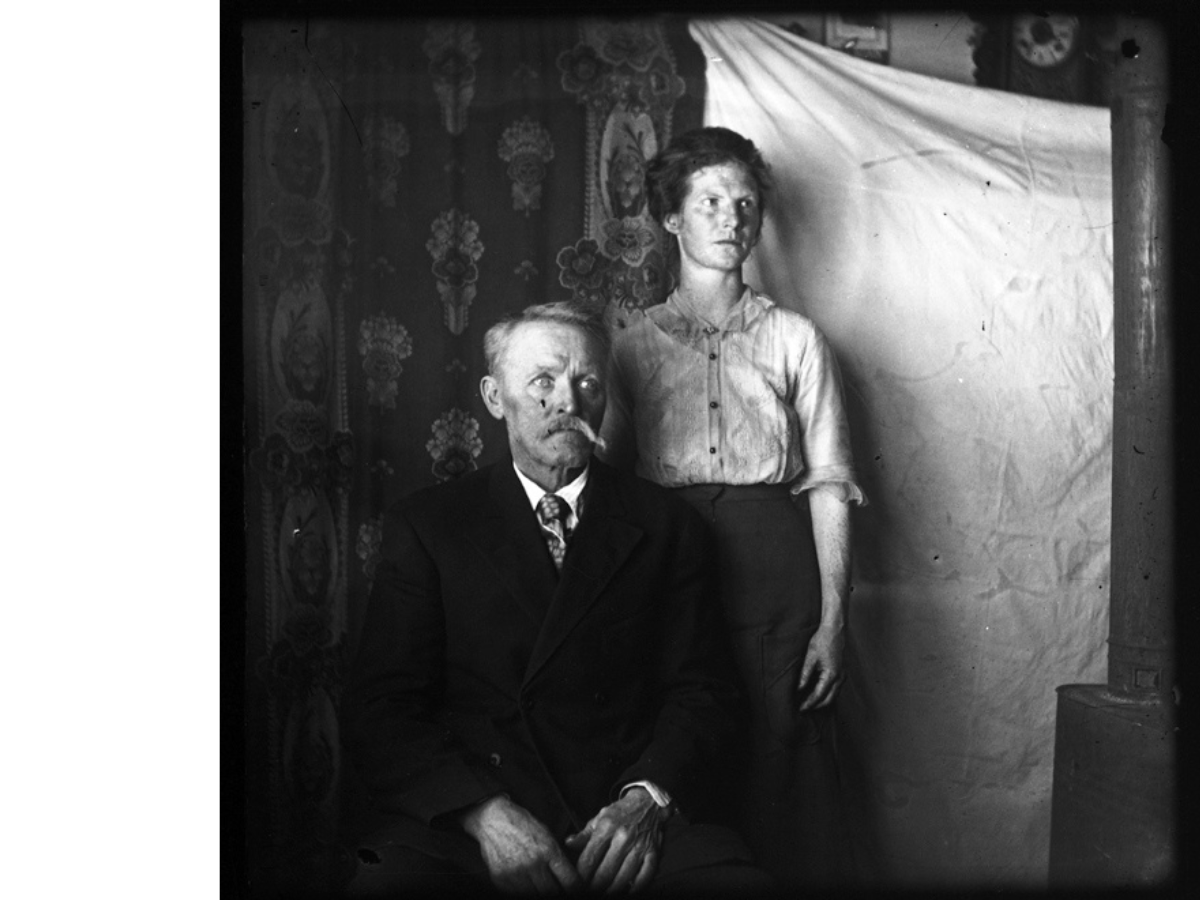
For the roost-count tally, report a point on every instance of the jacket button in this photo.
(495, 760)
(601, 698)
(527, 704)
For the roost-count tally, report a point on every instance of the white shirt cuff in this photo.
(660, 797)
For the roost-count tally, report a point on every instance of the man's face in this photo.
(550, 376)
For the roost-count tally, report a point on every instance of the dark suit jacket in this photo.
(480, 670)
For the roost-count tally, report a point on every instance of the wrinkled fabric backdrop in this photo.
(955, 245)
(407, 181)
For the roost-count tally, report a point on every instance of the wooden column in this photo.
(1113, 817)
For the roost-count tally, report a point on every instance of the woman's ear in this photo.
(671, 223)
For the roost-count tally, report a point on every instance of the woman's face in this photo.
(720, 219)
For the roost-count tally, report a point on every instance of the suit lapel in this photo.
(600, 546)
(507, 534)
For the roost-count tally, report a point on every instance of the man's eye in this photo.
(544, 381)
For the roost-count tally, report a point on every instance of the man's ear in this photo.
(489, 387)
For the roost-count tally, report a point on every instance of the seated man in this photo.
(542, 683)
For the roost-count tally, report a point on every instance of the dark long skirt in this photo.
(783, 791)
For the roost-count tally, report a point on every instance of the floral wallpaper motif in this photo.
(297, 155)
(624, 73)
(582, 270)
(305, 282)
(308, 554)
(455, 248)
(623, 158)
(593, 277)
(386, 143)
(359, 136)
(383, 343)
(455, 444)
(305, 362)
(452, 51)
(628, 240)
(526, 147)
(585, 74)
(302, 425)
(283, 470)
(370, 537)
(304, 671)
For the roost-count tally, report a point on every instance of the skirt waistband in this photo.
(734, 492)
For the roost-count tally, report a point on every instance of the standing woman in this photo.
(737, 403)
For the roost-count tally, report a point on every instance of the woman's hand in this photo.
(823, 670)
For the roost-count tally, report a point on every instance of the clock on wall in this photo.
(1051, 55)
(1045, 41)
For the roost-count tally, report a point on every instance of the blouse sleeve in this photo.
(824, 429)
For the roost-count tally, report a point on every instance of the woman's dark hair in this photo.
(668, 173)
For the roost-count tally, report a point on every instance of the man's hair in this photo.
(668, 173)
(567, 312)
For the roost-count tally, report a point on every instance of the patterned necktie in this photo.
(552, 513)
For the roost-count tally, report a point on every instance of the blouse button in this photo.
(712, 449)
(713, 405)
(712, 356)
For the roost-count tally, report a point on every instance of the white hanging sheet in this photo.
(955, 245)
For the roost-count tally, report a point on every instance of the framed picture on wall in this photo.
(862, 34)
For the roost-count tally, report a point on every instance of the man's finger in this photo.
(611, 863)
(592, 854)
(564, 873)
(542, 879)
(646, 873)
(630, 866)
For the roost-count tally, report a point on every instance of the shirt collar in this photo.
(568, 493)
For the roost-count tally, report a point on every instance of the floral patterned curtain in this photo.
(406, 182)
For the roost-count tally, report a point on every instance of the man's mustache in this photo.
(574, 423)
